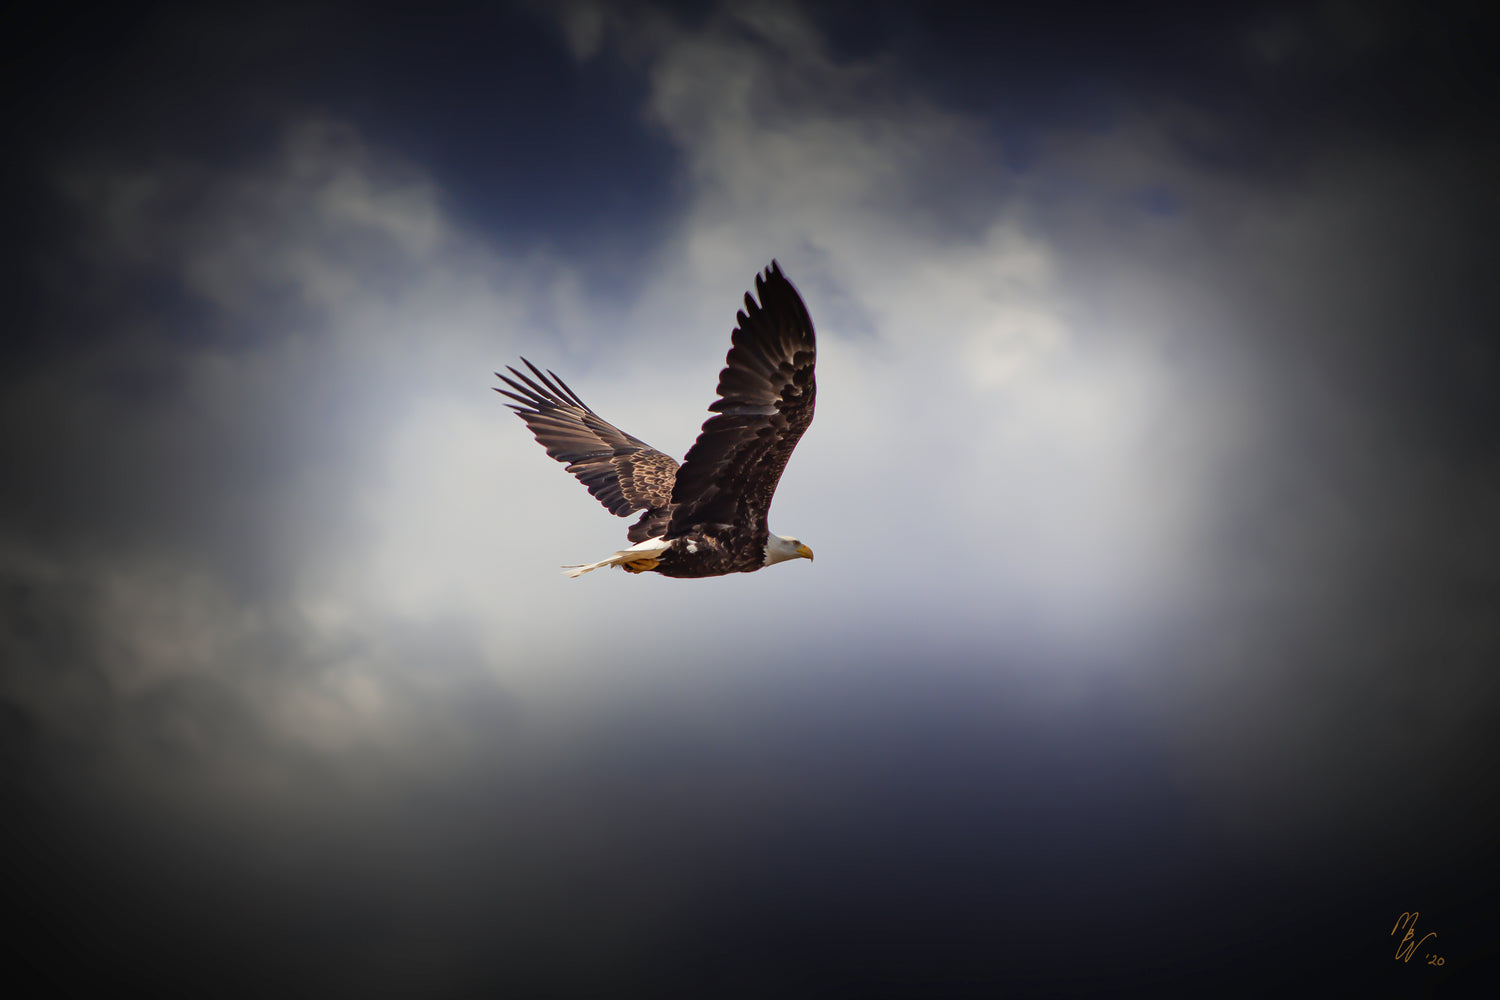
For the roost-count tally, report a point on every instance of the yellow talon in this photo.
(640, 565)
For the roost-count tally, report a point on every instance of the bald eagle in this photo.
(706, 517)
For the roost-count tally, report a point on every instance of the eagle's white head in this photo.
(780, 548)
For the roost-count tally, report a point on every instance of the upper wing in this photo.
(766, 394)
(625, 473)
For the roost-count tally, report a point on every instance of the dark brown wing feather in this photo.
(766, 395)
(623, 472)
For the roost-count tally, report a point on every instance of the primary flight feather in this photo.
(706, 517)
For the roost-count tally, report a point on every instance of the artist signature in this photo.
(1410, 943)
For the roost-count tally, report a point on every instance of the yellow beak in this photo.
(804, 551)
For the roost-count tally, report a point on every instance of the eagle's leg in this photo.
(640, 565)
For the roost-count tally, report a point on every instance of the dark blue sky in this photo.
(1150, 643)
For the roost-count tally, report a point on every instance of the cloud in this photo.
(206, 501)
(1042, 393)
(1147, 389)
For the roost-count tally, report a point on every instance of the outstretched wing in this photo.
(766, 394)
(623, 472)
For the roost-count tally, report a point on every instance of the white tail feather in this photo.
(619, 558)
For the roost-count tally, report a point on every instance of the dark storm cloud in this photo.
(487, 102)
(885, 836)
(1172, 664)
(931, 839)
(176, 432)
(1286, 79)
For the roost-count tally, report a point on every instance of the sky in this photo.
(1155, 489)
